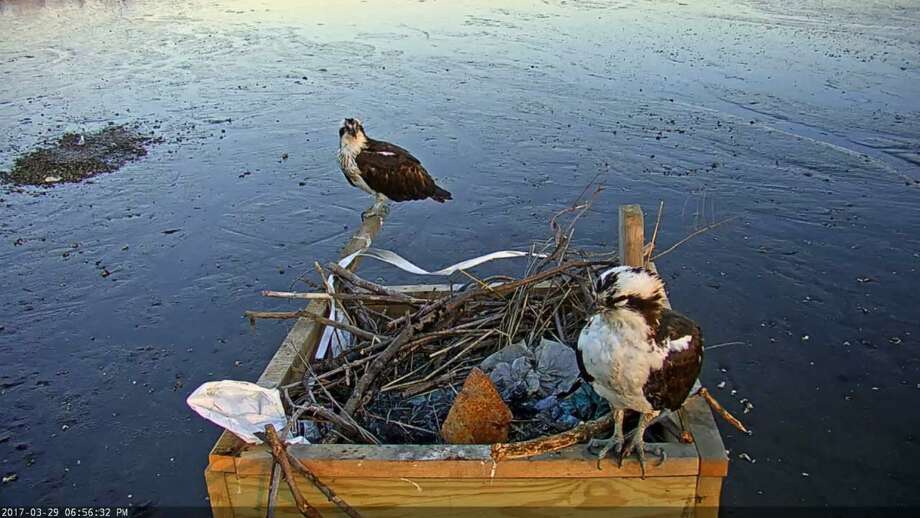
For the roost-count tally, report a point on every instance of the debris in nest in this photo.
(721, 385)
(75, 157)
(745, 456)
(478, 415)
(10, 478)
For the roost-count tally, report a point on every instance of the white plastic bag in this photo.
(239, 406)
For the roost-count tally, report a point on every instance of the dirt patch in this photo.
(77, 156)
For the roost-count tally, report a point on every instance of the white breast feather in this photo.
(348, 150)
(619, 356)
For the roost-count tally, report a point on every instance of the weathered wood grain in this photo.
(218, 494)
(632, 235)
(462, 461)
(407, 496)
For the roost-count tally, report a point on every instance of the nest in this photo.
(410, 355)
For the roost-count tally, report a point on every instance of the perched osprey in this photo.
(383, 170)
(637, 354)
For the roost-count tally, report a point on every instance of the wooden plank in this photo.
(632, 235)
(462, 461)
(708, 493)
(706, 438)
(218, 494)
(408, 496)
(222, 463)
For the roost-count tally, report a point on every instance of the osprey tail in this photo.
(440, 195)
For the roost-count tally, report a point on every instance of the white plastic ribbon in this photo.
(340, 340)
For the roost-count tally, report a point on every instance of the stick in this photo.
(451, 304)
(550, 443)
(692, 235)
(363, 297)
(280, 315)
(273, 489)
(368, 285)
(281, 457)
(381, 361)
(337, 420)
(323, 488)
(651, 244)
(732, 420)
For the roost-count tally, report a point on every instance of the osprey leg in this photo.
(615, 442)
(637, 444)
(379, 208)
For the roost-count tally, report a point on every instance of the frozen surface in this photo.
(799, 118)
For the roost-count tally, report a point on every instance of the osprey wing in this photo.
(670, 386)
(395, 173)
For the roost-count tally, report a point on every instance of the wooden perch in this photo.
(279, 452)
(632, 235)
(551, 443)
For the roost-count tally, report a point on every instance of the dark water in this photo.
(799, 118)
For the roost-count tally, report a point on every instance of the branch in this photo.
(550, 443)
(692, 235)
(281, 457)
(732, 420)
(362, 297)
(357, 331)
(368, 285)
(370, 375)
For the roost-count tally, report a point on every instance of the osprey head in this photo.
(352, 128)
(629, 288)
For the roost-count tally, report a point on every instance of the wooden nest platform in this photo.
(360, 458)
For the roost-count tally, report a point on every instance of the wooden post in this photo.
(632, 235)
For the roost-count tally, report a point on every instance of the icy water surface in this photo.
(798, 118)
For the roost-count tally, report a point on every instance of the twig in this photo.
(273, 489)
(717, 346)
(281, 315)
(732, 420)
(368, 285)
(323, 488)
(692, 235)
(451, 304)
(370, 375)
(362, 297)
(337, 420)
(651, 244)
(279, 452)
(550, 443)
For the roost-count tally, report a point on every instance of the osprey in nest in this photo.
(383, 170)
(637, 354)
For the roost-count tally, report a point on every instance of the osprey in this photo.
(383, 170)
(637, 354)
